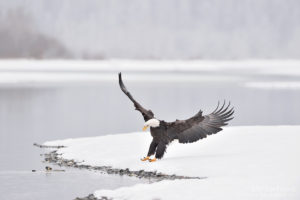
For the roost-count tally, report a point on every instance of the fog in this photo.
(176, 56)
(150, 29)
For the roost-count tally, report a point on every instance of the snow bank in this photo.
(290, 67)
(258, 162)
(18, 72)
(280, 85)
(14, 70)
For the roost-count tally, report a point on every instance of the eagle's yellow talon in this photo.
(152, 160)
(145, 158)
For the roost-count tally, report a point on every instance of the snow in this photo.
(290, 85)
(247, 162)
(289, 67)
(20, 72)
(208, 189)
(15, 78)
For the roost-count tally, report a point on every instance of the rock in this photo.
(92, 197)
(152, 176)
(53, 157)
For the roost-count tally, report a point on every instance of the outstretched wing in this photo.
(198, 126)
(147, 114)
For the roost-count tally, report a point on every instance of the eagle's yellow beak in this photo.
(145, 128)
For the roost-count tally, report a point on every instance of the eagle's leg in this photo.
(160, 151)
(151, 151)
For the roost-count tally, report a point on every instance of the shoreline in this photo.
(53, 158)
(153, 176)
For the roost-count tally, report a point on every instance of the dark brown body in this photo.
(160, 141)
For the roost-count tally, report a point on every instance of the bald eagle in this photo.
(185, 131)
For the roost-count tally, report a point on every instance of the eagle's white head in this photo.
(152, 123)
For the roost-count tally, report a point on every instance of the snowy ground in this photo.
(279, 85)
(28, 71)
(254, 162)
(279, 67)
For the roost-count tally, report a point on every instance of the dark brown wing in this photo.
(198, 126)
(147, 114)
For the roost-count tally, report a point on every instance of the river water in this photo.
(35, 112)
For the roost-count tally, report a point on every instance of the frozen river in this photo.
(37, 106)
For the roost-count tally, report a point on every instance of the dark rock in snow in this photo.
(55, 158)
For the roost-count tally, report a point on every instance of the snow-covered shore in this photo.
(279, 67)
(52, 71)
(258, 162)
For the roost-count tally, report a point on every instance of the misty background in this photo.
(59, 65)
(150, 29)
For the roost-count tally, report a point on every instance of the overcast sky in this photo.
(155, 29)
